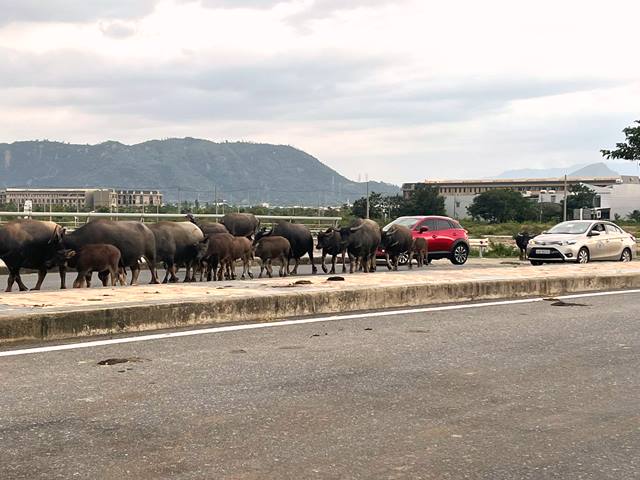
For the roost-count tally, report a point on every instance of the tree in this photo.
(502, 205)
(630, 149)
(424, 201)
(580, 196)
(376, 206)
(635, 216)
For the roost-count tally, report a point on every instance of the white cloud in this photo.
(403, 89)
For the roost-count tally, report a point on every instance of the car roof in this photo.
(423, 217)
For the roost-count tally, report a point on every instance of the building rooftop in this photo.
(488, 181)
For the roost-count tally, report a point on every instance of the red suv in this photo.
(445, 237)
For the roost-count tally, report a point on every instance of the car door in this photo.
(430, 235)
(597, 243)
(445, 235)
(615, 242)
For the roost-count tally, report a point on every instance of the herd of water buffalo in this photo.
(206, 249)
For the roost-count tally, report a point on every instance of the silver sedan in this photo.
(582, 241)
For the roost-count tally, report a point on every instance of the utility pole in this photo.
(566, 197)
(367, 178)
(215, 197)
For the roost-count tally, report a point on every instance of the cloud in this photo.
(117, 29)
(72, 10)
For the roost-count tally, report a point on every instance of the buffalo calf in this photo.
(273, 247)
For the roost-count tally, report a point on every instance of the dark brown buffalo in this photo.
(273, 247)
(299, 237)
(99, 258)
(29, 244)
(217, 255)
(134, 240)
(208, 228)
(330, 242)
(396, 241)
(176, 246)
(419, 250)
(241, 224)
(242, 250)
(361, 240)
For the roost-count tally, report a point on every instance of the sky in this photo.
(397, 91)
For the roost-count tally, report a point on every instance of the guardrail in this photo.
(87, 216)
(480, 243)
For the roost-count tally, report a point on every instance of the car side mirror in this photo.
(593, 233)
(424, 229)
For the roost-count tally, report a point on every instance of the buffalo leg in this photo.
(269, 268)
(13, 273)
(344, 267)
(314, 269)
(135, 273)
(262, 265)
(62, 270)
(333, 265)
(41, 274)
(322, 265)
(386, 257)
(295, 267)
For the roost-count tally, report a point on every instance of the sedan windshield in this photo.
(570, 228)
(408, 222)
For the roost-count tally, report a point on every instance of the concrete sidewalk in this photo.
(63, 314)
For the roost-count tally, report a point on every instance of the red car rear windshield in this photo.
(408, 222)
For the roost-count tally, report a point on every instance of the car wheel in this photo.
(583, 255)
(536, 263)
(626, 255)
(460, 254)
(403, 258)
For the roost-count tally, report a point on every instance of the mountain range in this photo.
(599, 169)
(185, 169)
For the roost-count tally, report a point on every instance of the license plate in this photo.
(543, 251)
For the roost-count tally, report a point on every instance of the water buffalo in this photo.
(273, 247)
(396, 241)
(176, 245)
(91, 258)
(241, 224)
(361, 240)
(522, 240)
(242, 250)
(208, 228)
(29, 244)
(299, 237)
(330, 242)
(134, 240)
(419, 249)
(218, 256)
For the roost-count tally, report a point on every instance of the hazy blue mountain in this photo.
(600, 169)
(189, 168)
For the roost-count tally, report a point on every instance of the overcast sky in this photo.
(402, 90)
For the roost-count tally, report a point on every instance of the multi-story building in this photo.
(81, 197)
(459, 194)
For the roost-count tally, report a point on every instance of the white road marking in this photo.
(284, 323)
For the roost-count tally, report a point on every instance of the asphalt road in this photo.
(517, 391)
(52, 280)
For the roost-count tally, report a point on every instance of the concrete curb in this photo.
(285, 303)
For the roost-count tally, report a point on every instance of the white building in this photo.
(618, 194)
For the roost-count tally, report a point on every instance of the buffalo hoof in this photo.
(324, 269)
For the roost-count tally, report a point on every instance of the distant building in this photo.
(615, 194)
(80, 198)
